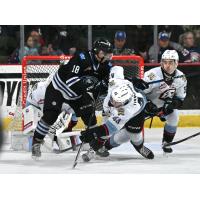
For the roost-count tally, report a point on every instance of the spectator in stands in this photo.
(188, 41)
(44, 51)
(120, 47)
(14, 57)
(164, 43)
(53, 50)
(38, 40)
(197, 36)
(29, 49)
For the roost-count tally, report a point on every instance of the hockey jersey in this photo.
(67, 79)
(158, 92)
(118, 117)
(36, 94)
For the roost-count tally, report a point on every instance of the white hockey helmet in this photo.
(117, 72)
(171, 56)
(121, 95)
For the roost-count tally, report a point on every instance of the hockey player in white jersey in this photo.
(35, 104)
(166, 97)
(124, 108)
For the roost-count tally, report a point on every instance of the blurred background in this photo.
(144, 40)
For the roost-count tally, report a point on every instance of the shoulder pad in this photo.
(82, 56)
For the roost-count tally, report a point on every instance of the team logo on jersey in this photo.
(167, 93)
(82, 56)
(163, 85)
(110, 64)
(151, 76)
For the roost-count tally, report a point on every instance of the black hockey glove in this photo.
(100, 89)
(89, 83)
(151, 109)
(171, 104)
(90, 134)
(140, 84)
(168, 107)
(87, 136)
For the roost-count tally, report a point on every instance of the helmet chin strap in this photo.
(167, 76)
(99, 59)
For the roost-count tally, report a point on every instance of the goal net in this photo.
(38, 68)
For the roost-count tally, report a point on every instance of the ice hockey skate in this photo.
(166, 149)
(144, 151)
(36, 152)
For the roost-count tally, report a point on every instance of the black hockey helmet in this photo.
(102, 45)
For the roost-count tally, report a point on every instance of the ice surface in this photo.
(124, 159)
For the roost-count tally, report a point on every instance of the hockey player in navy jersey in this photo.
(76, 84)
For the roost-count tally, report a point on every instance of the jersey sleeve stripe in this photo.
(63, 87)
(72, 80)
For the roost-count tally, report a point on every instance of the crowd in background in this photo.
(127, 39)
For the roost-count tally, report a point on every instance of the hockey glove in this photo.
(87, 136)
(100, 88)
(89, 83)
(168, 107)
(97, 132)
(140, 84)
(151, 109)
(171, 104)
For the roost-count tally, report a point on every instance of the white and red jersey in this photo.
(118, 117)
(36, 94)
(158, 92)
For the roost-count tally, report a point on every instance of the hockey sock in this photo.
(167, 136)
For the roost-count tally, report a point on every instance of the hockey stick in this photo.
(180, 76)
(58, 151)
(81, 145)
(151, 122)
(182, 140)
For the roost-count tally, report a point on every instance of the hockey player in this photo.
(166, 97)
(124, 108)
(72, 84)
(35, 102)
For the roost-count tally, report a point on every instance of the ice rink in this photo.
(184, 160)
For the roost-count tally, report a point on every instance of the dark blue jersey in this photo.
(67, 79)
